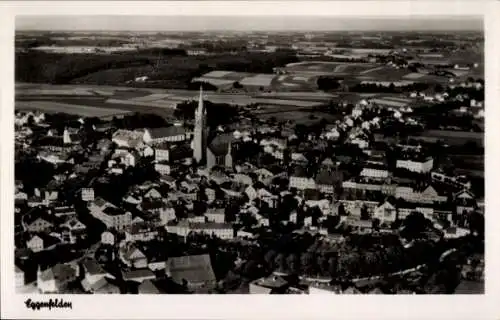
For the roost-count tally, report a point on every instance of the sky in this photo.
(246, 23)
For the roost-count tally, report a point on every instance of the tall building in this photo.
(200, 134)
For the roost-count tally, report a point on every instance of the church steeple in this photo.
(199, 139)
(228, 161)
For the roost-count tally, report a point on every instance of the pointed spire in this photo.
(229, 148)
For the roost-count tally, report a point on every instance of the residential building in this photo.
(162, 168)
(74, 230)
(107, 238)
(109, 214)
(131, 256)
(268, 285)
(140, 232)
(55, 279)
(20, 281)
(416, 165)
(385, 212)
(87, 194)
(139, 275)
(215, 215)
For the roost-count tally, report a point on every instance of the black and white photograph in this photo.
(247, 154)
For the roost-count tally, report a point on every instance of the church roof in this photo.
(166, 132)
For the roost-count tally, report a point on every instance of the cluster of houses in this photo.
(257, 188)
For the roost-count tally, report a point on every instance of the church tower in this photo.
(200, 135)
(228, 161)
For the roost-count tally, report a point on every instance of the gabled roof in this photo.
(139, 273)
(325, 177)
(57, 272)
(92, 267)
(148, 287)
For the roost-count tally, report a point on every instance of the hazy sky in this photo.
(244, 23)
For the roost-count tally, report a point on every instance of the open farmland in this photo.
(70, 108)
(329, 68)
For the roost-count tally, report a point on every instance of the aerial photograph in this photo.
(249, 155)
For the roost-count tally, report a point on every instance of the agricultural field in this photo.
(331, 68)
(70, 108)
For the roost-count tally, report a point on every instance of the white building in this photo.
(385, 212)
(423, 166)
(110, 215)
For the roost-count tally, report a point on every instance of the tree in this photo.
(364, 213)
(342, 211)
(307, 262)
(280, 262)
(293, 263)
(270, 258)
(414, 225)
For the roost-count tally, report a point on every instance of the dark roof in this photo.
(166, 131)
(49, 141)
(92, 267)
(112, 211)
(33, 215)
(180, 152)
(299, 171)
(139, 273)
(325, 177)
(148, 287)
(48, 240)
(195, 269)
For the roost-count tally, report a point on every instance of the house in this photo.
(167, 214)
(92, 272)
(268, 285)
(56, 278)
(464, 195)
(263, 174)
(42, 241)
(374, 172)
(107, 238)
(324, 288)
(138, 275)
(87, 194)
(131, 256)
(127, 139)
(300, 180)
(103, 286)
(162, 152)
(181, 228)
(34, 223)
(152, 194)
(162, 168)
(20, 281)
(325, 181)
(149, 287)
(140, 232)
(164, 134)
(74, 230)
(385, 212)
(109, 214)
(215, 215)
(416, 165)
(148, 151)
(220, 230)
(193, 271)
